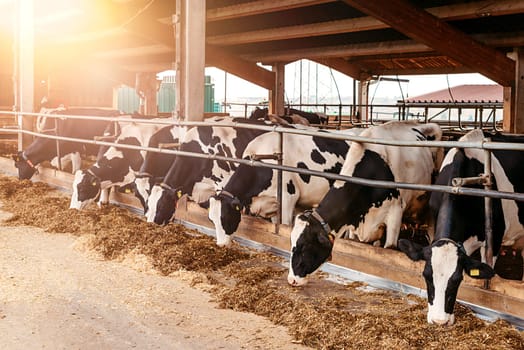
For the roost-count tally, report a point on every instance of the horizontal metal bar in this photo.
(465, 181)
(361, 181)
(309, 131)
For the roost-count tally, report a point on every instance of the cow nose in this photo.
(296, 281)
(440, 322)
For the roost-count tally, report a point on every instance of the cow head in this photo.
(311, 245)
(224, 212)
(143, 184)
(26, 169)
(86, 189)
(161, 203)
(446, 260)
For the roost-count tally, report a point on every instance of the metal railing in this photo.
(457, 187)
(448, 115)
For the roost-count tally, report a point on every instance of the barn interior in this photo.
(80, 50)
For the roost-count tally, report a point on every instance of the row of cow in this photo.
(334, 208)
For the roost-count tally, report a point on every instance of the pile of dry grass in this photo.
(321, 315)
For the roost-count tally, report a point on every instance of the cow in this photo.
(459, 222)
(367, 212)
(45, 149)
(292, 116)
(256, 188)
(115, 167)
(156, 165)
(197, 177)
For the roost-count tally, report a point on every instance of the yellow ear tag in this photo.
(179, 194)
(474, 272)
(128, 190)
(94, 183)
(237, 208)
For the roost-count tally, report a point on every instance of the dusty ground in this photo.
(56, 295)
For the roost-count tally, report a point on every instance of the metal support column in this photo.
(488, 212)
(190, 30)
(24, 72)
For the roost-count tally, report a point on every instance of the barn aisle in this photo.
(56, 293)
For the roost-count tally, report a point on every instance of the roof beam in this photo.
(350, 25)
(257, 8)
(343, 66)
(244, 69)
(429, 30)
(375, 49)
(423, 71)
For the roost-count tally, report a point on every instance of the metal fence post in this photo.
(488, 249)
(279, 181)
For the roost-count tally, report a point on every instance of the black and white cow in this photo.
(115, 167)
(44, 149)
(156, 165)
(367, 212)
(312, 118)
(256, 188)
(197, 177)
(459, 226)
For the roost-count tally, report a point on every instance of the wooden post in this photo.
(519, 92)
(146, 88)
(189, 22)
(363, 90)
(508, 112)
(24, 72)
(513, 115)
(276, 95)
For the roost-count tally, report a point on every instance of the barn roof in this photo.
(360, 38)
(462, 93)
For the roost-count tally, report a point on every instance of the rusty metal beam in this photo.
(429, 30)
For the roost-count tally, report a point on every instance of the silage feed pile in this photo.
(322, 315)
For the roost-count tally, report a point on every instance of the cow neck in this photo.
(323, 223)
(248, 182)
(334, 207)
(93, 173)
(28, 161)
(40, 150)
(235, 192)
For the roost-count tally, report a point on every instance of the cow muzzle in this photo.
(296, 281)
(223, 240)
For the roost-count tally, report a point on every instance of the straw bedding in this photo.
(321, 315)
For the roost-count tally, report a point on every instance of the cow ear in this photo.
(413, 250)
(477, 269)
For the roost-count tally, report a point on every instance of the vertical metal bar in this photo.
(488, 249)
(339, 116)
(459, 117)
(480, 117)
(58, 155)
(279, 181)
(494, 118)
